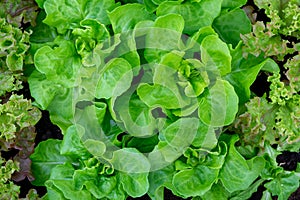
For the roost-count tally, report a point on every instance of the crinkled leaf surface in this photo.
(196, 181)
(125, 17)
(66, 15)
(196, 14)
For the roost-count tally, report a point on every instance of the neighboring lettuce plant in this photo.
(17, 115)
(19, 12)
(271, 123)
(8, 189)
(141, 92)
(284, 16)
(274, 118)
(269, 39)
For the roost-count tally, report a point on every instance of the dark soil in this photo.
(45, 129)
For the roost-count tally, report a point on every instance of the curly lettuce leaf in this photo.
(16, 114)
(293, 72)
(125, 17)
(8, 190)
(284, 15)
(196, 14)
(261, 41)
(90, 34)
(66, 15)
(13, 47)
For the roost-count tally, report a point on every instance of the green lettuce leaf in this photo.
(159, 179)
(183, 128)
(45, 158)
(66, 15)
(196, 181)
(136, 115)
(233, 3)
(115, 78)
(164, 36)
(59, 64)
(217, 60)
(219, 105)
(158, 95)
(196, 14)
(230, 25)
(244, 72)
(61, 184)
(238, 173)
(283, 185)
(125, 17)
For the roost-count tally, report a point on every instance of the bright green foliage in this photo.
(15, 115)
(284, 15)
(218, 107)
(235, 22)
(283, 185)
(263, 41)
(196, 14)
(141, 91)
(278, 181)
(293, 73)
(66, 176)
(237, 173)
(67, 14)
(244, 71)
(8, 190)
(13, 45)
(266, 38)
(232, 4)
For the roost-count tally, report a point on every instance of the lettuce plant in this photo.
(270, 124)
(17, 115)
(143, 92)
